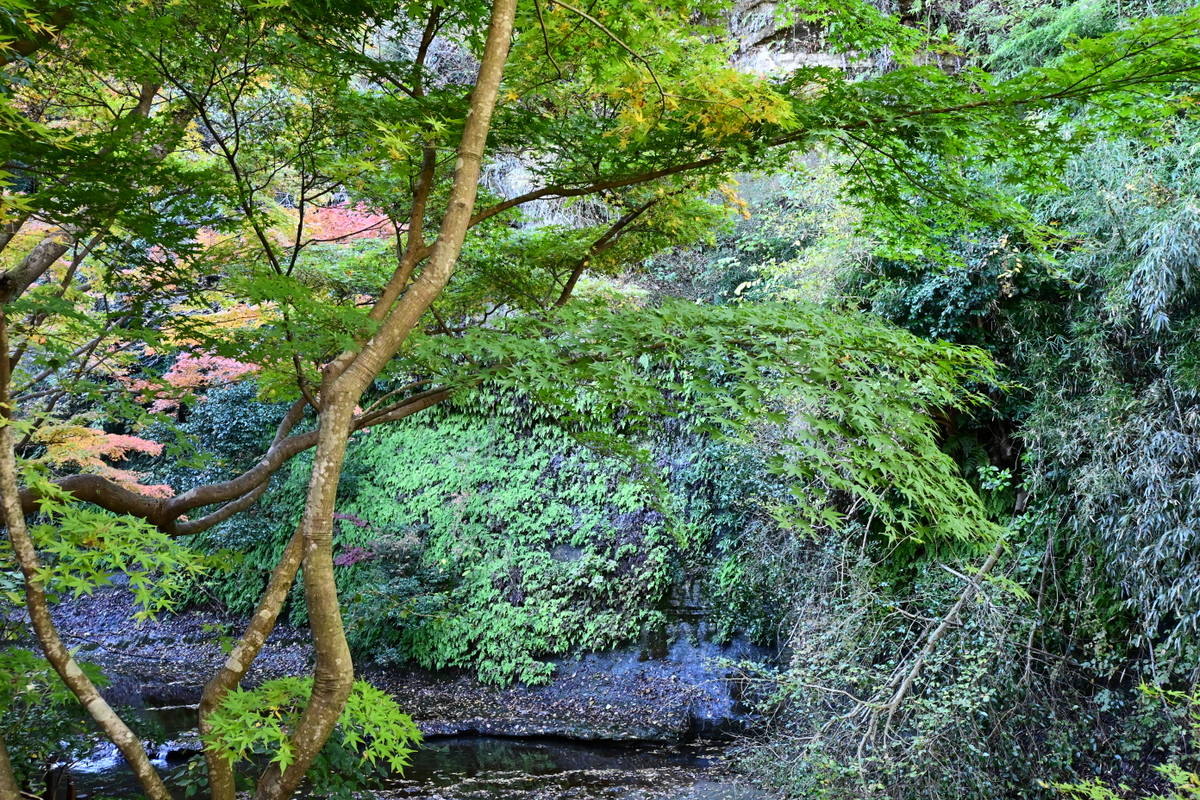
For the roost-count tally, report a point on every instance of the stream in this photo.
(473, 768)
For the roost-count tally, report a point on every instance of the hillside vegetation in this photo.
(472, 336)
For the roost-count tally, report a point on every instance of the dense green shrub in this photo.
(1041, 30)
(1177, 781)
(1102, 344)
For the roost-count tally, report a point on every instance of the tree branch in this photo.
(165, 513)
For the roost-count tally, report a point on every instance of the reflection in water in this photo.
(495, 769)
(477, 768)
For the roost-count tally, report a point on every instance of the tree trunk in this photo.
(8, 782)
(334, 671)
(220, 769)
(333, 675)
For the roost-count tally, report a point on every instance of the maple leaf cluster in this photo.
(192, 372)
(345, 223)
(90, 449)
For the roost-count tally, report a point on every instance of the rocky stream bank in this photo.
(644, 722)
(620, 696)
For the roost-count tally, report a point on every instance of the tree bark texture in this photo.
(8, 782)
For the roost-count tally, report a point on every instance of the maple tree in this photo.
(201, 193)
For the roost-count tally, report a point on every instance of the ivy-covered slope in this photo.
(483, 541)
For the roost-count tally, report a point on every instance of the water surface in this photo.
(476, 768)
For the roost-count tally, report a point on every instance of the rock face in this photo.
(671, 688)
(770, 45)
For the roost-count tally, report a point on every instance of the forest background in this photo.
(913, 397)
